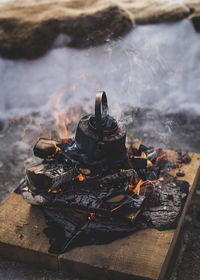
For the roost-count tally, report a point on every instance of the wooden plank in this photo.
(142, 255)
(21, 233)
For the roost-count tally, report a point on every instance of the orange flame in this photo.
(163, 156)
(61, 128)
(57, 148)
(79, 177)
(91, 216)
(149, 162)
(143, 155)
(136, 189)
(131, 183)
(54, 191)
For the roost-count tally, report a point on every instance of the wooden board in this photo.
(142, 255)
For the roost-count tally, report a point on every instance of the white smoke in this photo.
(154, 66)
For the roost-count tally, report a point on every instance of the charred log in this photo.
(138, 162)
(67, 231)
(45, 175)
(117, 177)
(172, 196)
(45, 148)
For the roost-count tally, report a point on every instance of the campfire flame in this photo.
(162, 156)
(57, 150)
(143, 155)
(54, 191)
(136, 190)
(80, 178)
(64, 116)
(91, 216)
(61, 129)
(55, 145)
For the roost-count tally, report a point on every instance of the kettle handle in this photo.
(101, 109)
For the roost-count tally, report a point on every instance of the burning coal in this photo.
(93, 190)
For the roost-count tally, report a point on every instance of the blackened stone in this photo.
(184, 157)
(180, 173)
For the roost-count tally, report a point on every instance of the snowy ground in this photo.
(151, 77)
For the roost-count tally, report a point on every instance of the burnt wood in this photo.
(145, 254)
(46, 175)
(45, 148)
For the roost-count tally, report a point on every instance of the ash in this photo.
(95, 204)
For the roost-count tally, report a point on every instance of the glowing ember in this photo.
(57, 148)
(136, 190)
(79, 177)
(143, 155)
(54, 191)
(162, 156)
(91, 216)
(131, 183)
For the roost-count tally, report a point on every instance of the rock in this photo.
(193, 5)
(29, 28)
(156, 11)
(195, 18)
(180, 173)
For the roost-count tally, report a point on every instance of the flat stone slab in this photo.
(142, 255)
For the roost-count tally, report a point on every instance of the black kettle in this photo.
(100, 136)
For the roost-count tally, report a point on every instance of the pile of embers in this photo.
(93, 190)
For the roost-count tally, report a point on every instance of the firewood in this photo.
(138, 162)
(44, 176)
(45, 148)
(116, 198)
(117, 177)
(85, 171)
(132, 217)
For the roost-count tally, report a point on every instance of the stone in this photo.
(180, 173)
(195, 18)
(28, 29)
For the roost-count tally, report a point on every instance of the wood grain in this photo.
(142, 255)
